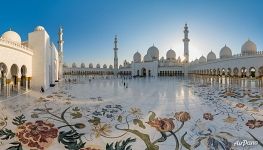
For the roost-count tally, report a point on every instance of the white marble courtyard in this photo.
(147, 113)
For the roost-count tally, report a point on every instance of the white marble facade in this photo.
(28, 64)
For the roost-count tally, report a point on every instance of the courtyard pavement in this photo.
(143, 113)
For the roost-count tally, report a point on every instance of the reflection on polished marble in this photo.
(146, 113)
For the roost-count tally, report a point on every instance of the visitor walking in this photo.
(42, 89)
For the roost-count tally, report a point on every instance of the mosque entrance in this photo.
(143, 72)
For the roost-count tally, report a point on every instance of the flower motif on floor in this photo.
(101, 129)
(252, 124)
(91, 147)
(136, 112)
(208, 116)
(37, 135)
(240, 105)
(182, 116)
(229, 94)
(230, 119)
(162, 125)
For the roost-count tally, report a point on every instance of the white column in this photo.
(18, 82)
(26, 83)
(8, 83)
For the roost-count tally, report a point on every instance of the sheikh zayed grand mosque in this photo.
(29, 64)
(246, 64)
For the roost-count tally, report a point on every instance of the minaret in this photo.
(186, 43)
(115, 56)
(60, 53)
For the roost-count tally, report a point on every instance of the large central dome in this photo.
(249, 47)
(12, 36)
(153, 52)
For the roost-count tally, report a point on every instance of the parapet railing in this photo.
(258, 53)
(14, 44)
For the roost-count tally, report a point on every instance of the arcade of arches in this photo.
(13, 80)
(144, 72)
(94, 72)
(171, 73)
(232, 72)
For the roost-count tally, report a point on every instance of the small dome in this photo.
(137, 57)
(82, 65)
(249, 47)
(90, 65)
(153, 52)
(225, 52)
(147, 58)
(74, 65)
(170, 55)
(120, 66)
(110, 66)
(12, 36)
(202, 59)
(39, 28)
(211, 56)
(104, 66)
(98, 66)
(196, 61)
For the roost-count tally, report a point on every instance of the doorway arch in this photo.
(252, 72)
(143, 72)
(14, 73)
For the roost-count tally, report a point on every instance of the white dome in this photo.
(225, 52)
(202, 59)
(249, 47)
(211, 56)
(153, 52)
(147, 58)
(120, 66)
(104, 66)
(98, 66)
(39, 28)
(137, 57)
(110, 66)
(12, 36)
(74, 65)
(82, 65)
(90, 65)
(170, 55)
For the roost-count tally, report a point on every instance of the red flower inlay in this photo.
(38, 135)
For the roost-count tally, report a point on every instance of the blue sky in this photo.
(90, 25)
